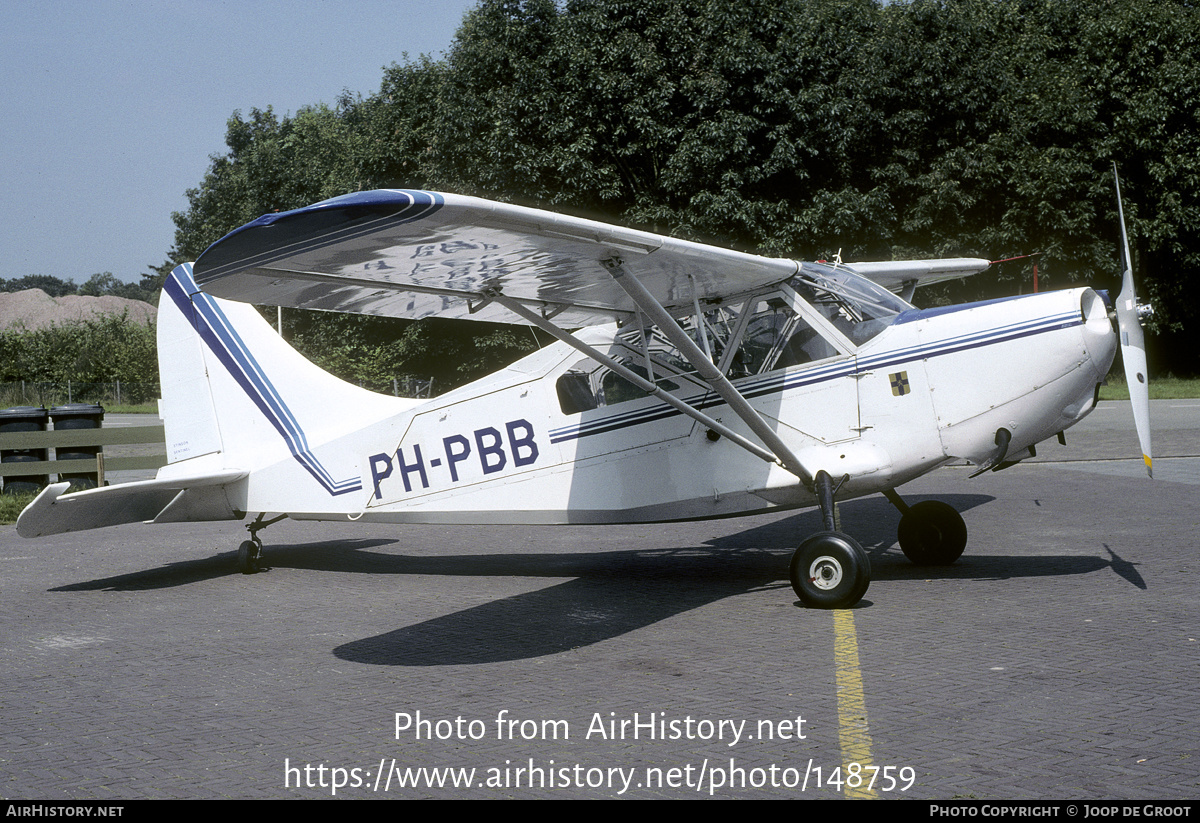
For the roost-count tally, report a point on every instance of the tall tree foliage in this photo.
(792, 127)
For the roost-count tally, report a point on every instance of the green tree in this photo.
(99, 284)
(796, 127)
(53, 286)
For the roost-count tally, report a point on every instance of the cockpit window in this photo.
(857, 306)
(588, 385)
(822, 312)
(776, 337)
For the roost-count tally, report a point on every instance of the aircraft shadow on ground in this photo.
(187, 572)
(613, 593)
(608, 593)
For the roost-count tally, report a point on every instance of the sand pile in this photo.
(34, 309)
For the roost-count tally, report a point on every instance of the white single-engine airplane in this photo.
(688, 382)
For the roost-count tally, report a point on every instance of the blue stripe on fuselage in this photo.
(780, 382)
(214, 328)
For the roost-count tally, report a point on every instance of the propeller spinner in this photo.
(1133, 343)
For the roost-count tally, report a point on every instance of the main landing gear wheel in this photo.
(932, 533)
(250, 557)
(830, 571)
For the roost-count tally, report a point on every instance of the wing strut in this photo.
(645, 301)
(633, 377)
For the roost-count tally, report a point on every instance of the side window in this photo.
(776, 338)
(587, 385)
(793, 325)
(575, 393)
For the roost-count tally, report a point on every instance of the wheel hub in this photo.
(825, 572)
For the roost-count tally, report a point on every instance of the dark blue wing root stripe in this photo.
(223, 340)
(775, 383)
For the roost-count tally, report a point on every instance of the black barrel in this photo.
(71, 417)
(23, 419)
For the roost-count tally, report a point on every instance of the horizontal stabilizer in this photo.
(53, 512)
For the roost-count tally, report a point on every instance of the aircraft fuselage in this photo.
(932, 387)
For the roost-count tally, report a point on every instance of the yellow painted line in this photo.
(854, 734)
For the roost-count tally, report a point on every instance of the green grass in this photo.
(11, 505)
(145, 408)
(1161, 388)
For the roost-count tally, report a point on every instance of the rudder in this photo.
(232, 386)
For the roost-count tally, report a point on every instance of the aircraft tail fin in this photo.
(236, 395)
(251, 426)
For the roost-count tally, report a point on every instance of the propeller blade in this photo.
(1133, 342)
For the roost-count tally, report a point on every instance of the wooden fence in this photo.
(148, 437)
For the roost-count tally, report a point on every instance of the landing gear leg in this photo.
(250, 551)
(931, 533)
(830, 570)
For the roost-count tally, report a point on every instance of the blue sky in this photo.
(111, 109)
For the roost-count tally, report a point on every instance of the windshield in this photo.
(858, 307)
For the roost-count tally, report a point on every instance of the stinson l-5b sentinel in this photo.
(688, 381)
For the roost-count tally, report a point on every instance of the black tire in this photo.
(830, 571)
(248, 557)
(932, 533)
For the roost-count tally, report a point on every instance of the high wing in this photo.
(413, 254)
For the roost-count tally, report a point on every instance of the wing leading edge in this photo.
(413, 254)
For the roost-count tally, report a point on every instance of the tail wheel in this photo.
(250, 557)
(932, 533)
(830, 570)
